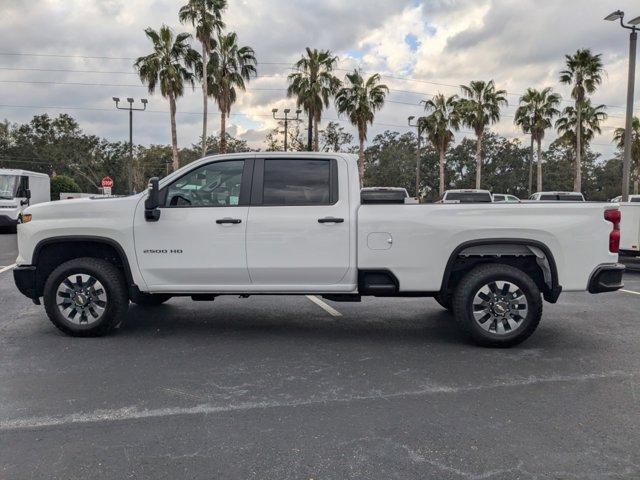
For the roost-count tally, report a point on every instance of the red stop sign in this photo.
(107, 182)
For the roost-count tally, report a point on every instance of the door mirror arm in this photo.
(151, 204)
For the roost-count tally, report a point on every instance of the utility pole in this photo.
(417, 124)
(286, 122)
(131, 109)
(633, 40)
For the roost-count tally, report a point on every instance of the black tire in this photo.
(445, 301)
(471, 285)
(149, 300)
(116, 303)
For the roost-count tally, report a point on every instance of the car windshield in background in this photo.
(8, 185)
(635, 200)
(470, 197)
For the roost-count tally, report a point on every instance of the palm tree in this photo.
(584, 73)
(169, 65)
(591, 117)
(229, 67)
(206, 17)
(443, 118)
(535, 113)
(619, 136)
(360, 99)
(481, 108)
(524, 120)
(313, 84)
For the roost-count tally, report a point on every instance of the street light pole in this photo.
(633, 40)
(130, 108)
(417, 124)
(286, 122)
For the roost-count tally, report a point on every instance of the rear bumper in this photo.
(7, 221)
(606, 278)
(25, 278)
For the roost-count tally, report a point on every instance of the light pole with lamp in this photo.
(131, 110)
(633, 40)
(286, 122)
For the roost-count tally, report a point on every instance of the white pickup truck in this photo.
(293, 223)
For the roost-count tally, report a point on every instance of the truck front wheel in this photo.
(497, 305)
(86, 297)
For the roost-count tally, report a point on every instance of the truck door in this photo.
(198, 244)
(299, 222)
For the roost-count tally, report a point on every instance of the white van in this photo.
(630, 228)
(19, 189)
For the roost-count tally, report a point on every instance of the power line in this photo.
(290, 64)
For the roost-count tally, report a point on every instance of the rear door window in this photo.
(289, 182)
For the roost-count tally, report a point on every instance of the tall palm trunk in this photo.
(577, 183)
(174, 133)
(539, 166)
(361, 156)
(479, 161)
(316, 144)
(205, 99)
(441, 167)
(531, 167)
(223, 131)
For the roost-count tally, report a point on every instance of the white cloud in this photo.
(440, 43)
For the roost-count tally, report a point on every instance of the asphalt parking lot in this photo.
(280, 388)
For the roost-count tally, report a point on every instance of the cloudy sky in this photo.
(74, 55)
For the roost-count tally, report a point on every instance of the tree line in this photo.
(59, 147)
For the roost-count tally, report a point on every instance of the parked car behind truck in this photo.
(293, 223)
(18, 189)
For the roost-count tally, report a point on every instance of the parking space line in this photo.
(137, 413)
(629, 291)
(327, 308)
(7, 268)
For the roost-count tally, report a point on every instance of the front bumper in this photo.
(25, 278)
(606, 278)
(7, 221)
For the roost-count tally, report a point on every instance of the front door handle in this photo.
(330, 220)
(228, 220)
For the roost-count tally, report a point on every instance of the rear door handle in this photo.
(228, 220)
(330, 220)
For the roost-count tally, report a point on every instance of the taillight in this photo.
(614, 216)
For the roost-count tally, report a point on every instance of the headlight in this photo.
(26, 217)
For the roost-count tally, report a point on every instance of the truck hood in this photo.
(84, 208)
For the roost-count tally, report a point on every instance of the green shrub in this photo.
(62, 183)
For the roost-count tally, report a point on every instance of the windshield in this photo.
(8, 186)
(468, 197)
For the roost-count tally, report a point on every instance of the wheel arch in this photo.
(495, 250)
(51, 252)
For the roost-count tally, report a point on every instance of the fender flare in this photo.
(550, 296)
(87, 238)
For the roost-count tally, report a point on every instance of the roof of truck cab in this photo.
(14, 171)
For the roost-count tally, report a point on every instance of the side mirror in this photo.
(27, 196)
(151, 204)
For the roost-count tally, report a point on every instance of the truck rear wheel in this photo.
(86, 297)
(497, 305)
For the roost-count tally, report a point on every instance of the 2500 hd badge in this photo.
(164, 250)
